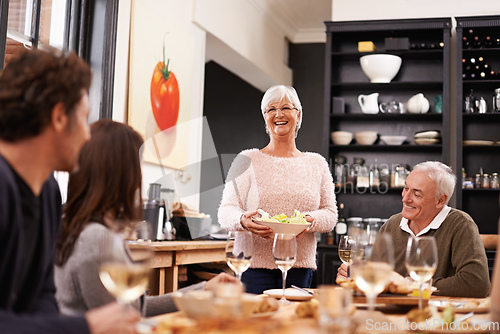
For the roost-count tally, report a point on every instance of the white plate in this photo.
(427, 134)
(219, 236)
(290, 294)
(457, 306)
(426, 141)
(478, 142)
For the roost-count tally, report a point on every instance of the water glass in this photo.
(334, 308)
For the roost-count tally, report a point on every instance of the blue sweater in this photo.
(40, 313)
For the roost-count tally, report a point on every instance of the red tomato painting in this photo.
(164, 96)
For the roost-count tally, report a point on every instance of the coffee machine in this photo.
(155, 213)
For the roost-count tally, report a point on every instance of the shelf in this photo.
(405, 54)
(488, 117)
(486, 52)
(387, 148)
(382, 190)
(481, 190)
(486, 84)
(394, 85)
(481, 147)
(389, 117)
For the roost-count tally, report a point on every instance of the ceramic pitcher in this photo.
(369, 103)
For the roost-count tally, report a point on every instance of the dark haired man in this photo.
(44, 107)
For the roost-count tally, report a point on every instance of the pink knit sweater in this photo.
(279, 185)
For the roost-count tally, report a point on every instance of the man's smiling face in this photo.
(420, 204)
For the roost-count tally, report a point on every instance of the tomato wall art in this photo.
(164, 96)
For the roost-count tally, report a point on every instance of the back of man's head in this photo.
(32, 83)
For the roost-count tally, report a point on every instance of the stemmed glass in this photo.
(126, 261)
(372, 266)
(285, 254)
(239, 251)
(421, 261)
(346, 247)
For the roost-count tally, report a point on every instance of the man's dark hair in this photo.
(32, 83)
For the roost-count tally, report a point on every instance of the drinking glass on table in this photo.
(346, 248)
(239, 251)
(372, 266)
(285, 254)
(126, 262)
(421, 261)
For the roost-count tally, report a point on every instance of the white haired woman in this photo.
(279, 179)
(462, 269)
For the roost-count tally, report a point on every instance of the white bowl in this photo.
(196, 304)
(393, 140)
(380, 68)
(366, 137)
(341, 137)
(284, 227)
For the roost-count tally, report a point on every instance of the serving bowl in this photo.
(393, 140)
(341, 137)
(366, 137)
(380, 68)
(284, 227)
(196, 304)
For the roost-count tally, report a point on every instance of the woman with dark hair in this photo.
(105, 190)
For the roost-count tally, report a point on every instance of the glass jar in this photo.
(374, 176)
(355, 226)
(478, 181)
(494, 182)
(361, 173)
(485, 182)
(496, 100)
(398, 178)
(341, 171)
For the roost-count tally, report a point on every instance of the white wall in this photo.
(343, 10)
(244, 40)
(237, 35)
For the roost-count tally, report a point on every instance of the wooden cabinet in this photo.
(423, 70)
(481, 204)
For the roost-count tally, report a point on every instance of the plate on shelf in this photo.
(290, 294)
(478, 142)
(428, 134)
(426, 141)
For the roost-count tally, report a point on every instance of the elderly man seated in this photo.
(462, 269)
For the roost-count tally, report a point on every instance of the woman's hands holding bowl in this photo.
(259, 229)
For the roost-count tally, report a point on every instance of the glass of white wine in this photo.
(372, 267)
(285, 254)
(126, 262)
(421, 261)
(239, 251)
(346, 248)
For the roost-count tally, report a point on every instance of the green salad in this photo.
(296, 218)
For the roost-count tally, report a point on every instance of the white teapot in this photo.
(369, 103)
(417, 104)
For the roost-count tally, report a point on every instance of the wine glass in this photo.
(285, 254)
(421, 261)
(126, 261)
(346, 248)
(239, 251)
(372, 266)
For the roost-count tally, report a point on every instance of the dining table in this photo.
(387, 318)
(169, 255)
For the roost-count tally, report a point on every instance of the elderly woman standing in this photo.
(279, 179)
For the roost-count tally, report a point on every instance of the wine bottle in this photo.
(465, 43)
(476, 42)
(488, 43)
(341, 227)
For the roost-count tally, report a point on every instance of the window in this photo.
(33, 23)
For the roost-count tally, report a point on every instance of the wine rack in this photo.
(479, 129)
